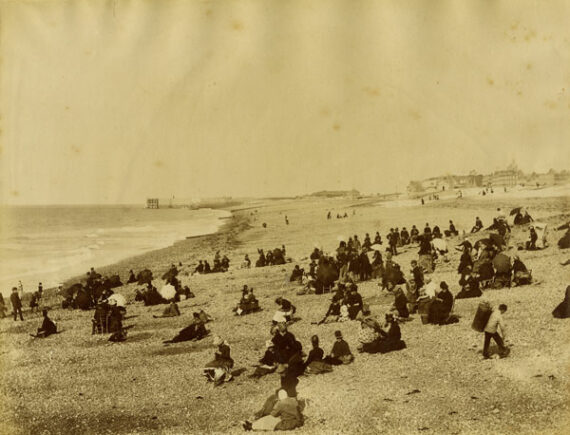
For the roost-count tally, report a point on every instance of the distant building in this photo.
(509, 177)
(152, 203)
(506, 178)
(337, 193)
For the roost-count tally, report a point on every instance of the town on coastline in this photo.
(510, 177)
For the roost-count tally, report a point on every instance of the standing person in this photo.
(40, 289)
(393, 241)
(533, 237)
(20, 290)
(418, 274)
(35, 302)
(414, 233)
(495, 323)
(2, 307)
(16, 303)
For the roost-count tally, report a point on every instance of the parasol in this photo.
(120, 299)
(168, 291)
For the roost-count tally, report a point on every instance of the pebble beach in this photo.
(75, 382)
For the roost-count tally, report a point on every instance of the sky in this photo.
(117, 101)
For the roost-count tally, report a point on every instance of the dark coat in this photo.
(16, 302)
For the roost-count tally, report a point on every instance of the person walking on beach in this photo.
(495, 323)
(16, 304)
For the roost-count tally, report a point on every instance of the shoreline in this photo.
(187, 250)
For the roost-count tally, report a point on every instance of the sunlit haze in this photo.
(112, 102)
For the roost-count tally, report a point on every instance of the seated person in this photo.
(452, 231)
(478, 225)
(412, 295)
(368, 334)
(436, 233)
(261, 261)
(314, 363)
(171, 310)
(285, 415)
(225, 263)
(367, 243)
(404, 236)
(48, 326)
(483, 266)
(248, 302)
(441, 306)
(115, 314)
(246, 264)
(377, 239)
(564, 242)
(199, 268)
(285, 343)
(183, 293)
(503, 270)
(267, 364)
(204, 317)
(296, 274)
(354, 302)
(401, 303)
(132, 277)
(286, 308)
(392, 339)
(469, 285)
(219, 369)
(195, 331)
(340, 353)
(465, 260)
(344, 315)
(333, 312)
(316, 254)
(386, 341)
(521, 274)
(562, 311)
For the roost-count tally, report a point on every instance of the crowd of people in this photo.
(220, 264)
(481, 265)
(271, 257)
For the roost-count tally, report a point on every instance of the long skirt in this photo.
(265, 423)
(317, 367)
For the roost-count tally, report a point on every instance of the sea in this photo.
(50, 244)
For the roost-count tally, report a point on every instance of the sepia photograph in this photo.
(323, 217)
